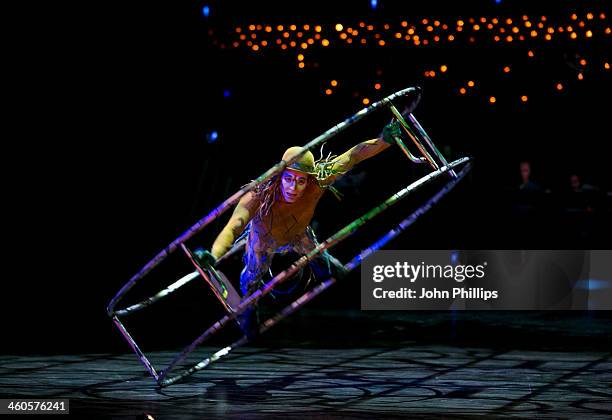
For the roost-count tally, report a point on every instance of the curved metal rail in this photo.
(420, 139)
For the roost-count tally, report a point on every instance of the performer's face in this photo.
(293, 185)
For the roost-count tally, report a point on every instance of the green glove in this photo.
(391, 130)
(204, 257)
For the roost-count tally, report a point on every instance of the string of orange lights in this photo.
(531, 31)
(257, 37)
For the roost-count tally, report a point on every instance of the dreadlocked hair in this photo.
(267, 193)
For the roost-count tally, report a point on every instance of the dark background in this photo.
(112, 103)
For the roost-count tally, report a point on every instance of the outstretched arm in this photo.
(243, 213)
(360, 152)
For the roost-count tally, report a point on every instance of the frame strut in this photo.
(413, 137)
(430, 143)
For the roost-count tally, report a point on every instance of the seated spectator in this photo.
(576, 184)
(527, 184)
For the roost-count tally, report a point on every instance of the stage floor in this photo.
(407, 380)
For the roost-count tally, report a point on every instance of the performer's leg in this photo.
(256, 265)
(324, 265)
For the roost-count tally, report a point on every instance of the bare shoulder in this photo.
(249, 202)
(249, 198)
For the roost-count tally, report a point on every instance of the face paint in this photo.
(293, 185)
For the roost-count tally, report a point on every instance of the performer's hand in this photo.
(205, 257)
(391, 130)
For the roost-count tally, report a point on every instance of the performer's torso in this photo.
(286, 222)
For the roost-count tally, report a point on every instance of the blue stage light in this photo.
(498, 1)
(212, 137)
(227, 93)
(206, 11)
(373, 3)
(454, 257)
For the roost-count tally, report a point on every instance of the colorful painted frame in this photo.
(432, 156)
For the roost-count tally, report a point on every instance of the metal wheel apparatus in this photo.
(223, 289)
